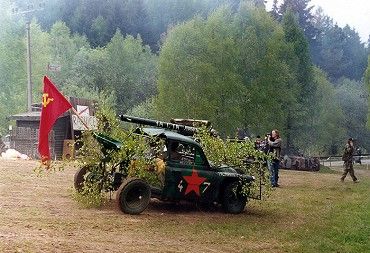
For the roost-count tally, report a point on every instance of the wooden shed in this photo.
(24, 136)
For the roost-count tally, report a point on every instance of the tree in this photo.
(164, 14)
(352, 97)
(63, 49)
(130, 70)
(89, 69)
(295, 36)
(227, 69)
(98, 20)
(124, 68)
(367, 84)
(137, 20)
(13, 84)
(260, 3)
(297, 119)
(354, 54)
(275, 11)
(52, 11)
(271, 83)
(197, 75)
(342, 54)
(41, 55)
(99, 31)
(328, 122)
(302, 10)
(338, 51)
(332, 53)
(322, 23)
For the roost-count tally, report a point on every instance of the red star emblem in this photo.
(194, 181)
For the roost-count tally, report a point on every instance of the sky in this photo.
(355, 13)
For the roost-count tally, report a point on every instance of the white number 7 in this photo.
(207, 185)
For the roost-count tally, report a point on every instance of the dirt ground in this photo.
(38, 214)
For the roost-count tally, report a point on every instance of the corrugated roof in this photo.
(29, 116)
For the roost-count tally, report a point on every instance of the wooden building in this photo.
(24, 136)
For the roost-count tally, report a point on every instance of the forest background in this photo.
(228, 61)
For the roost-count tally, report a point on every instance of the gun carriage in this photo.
(187, 173)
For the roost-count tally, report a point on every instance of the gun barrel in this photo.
(155, 123)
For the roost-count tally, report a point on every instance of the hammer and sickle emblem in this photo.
(46, 100)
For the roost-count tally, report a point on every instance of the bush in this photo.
(132, 159)
(239, 154)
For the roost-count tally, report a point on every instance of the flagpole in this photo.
(79, 117)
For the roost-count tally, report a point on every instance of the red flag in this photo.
(53, 105)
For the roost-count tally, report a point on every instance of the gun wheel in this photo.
(133, 196)
(79, 178)
(232, 200)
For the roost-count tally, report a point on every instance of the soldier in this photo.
(174, 154)
(347, 158)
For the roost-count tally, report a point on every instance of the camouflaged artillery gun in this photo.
(186, 174)
(187, 127)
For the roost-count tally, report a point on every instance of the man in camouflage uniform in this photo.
(348, 161)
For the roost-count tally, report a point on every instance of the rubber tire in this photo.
(231, 202)
(142, 194)
(79, 178)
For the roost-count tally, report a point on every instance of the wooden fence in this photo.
(25, 140)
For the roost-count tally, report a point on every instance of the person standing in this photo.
(348, 161)
(359, 153)
(274, 142)
(2, 144)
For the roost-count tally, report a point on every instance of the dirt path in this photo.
(37, 214)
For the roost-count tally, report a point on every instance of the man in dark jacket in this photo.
(348, 161)
(274, 142)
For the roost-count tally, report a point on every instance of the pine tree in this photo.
(322, 24)
(297, 120)
(367, 84)
(275, 11)
(302, 10)
(260, 3)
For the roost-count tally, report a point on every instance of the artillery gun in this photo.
(185, 127)
(186, 174)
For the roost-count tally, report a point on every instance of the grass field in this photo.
(310, 212)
